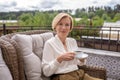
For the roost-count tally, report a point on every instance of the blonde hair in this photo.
(59, 17)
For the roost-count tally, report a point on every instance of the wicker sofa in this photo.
(14, 60)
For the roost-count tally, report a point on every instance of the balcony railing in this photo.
(107, 38)
(98, 38)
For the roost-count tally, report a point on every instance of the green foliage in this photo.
(81, 13)
(36, 18)
(105, 17)
(91, 15)
(77, 33)
(26, 19)
(117, 17)
(97, 21)
(84, 21)
(100, 12)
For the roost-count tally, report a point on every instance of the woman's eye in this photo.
(60, 24)
(67, 24)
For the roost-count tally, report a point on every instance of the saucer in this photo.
(81, 55)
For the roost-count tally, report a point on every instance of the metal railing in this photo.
(107, 38)
(11, 29)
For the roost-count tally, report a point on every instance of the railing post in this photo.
(109, 39)
(4, 29)
(117, 42)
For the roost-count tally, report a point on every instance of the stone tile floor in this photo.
(108, 59)
(111, 79)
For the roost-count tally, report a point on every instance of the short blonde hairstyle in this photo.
(59, 17)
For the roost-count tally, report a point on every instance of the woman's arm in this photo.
(50, 64)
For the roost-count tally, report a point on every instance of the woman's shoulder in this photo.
(50, 40)
(71, 39)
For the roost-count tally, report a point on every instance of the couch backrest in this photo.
(23, 45)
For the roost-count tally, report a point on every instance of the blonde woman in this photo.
(59, 60)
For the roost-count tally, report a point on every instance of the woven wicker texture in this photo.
(95, 71)
(19, 58)
(10, 57)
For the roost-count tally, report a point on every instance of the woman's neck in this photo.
(62, 39)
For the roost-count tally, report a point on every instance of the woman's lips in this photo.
(63, 31)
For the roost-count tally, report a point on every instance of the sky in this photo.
(43, 5)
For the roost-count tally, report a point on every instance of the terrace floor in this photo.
(108, 59)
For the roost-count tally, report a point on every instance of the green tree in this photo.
(26, 19)
(91, 15)
(97, 21)
(84, 21)
(105, 17)
(116, 17)
(100, 12)
(117, 8)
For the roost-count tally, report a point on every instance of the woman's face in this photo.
(63, 27)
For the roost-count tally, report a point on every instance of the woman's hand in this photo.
(82, 60)
(66, 57)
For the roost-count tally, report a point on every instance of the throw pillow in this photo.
(31, 47)
(32, 63)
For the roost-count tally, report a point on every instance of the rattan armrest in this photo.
(94, 71)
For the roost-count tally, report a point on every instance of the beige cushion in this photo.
(31, 47)
(38, 41)
(4, 71)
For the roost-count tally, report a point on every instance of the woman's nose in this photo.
(63, 27)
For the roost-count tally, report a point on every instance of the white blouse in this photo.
(52, 49)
